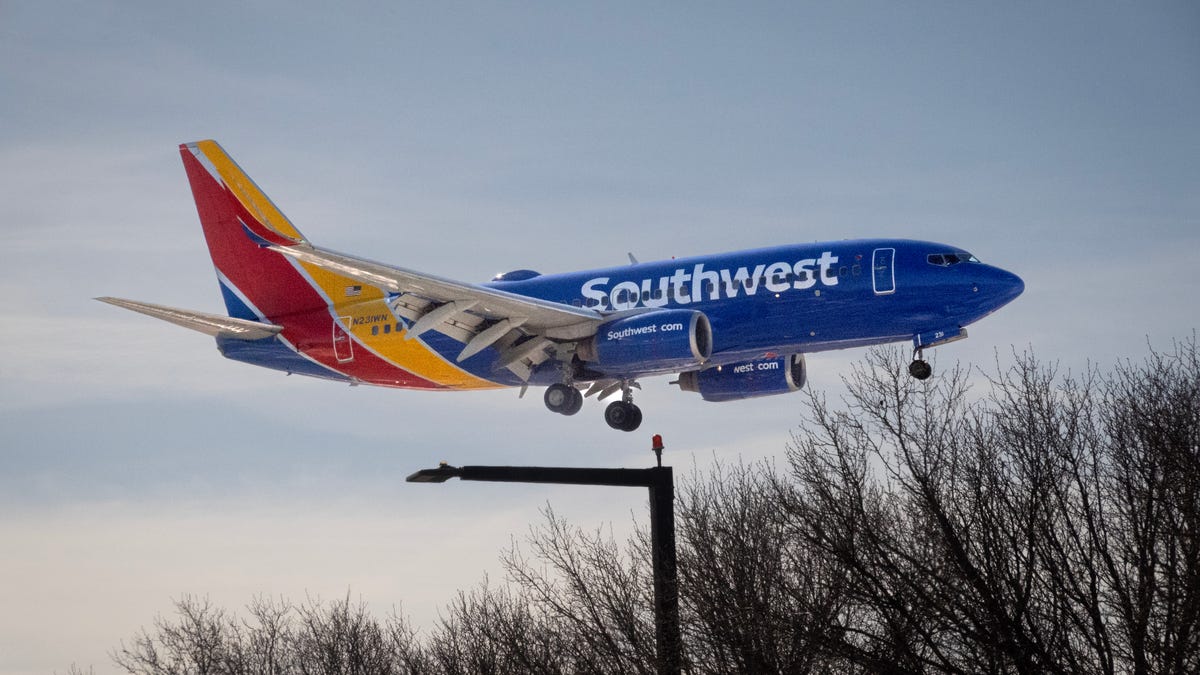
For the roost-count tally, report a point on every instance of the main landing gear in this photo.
(622, 415)
(563, 399)
(920, 368)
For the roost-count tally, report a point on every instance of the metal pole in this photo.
(666, 584)
(660, 480)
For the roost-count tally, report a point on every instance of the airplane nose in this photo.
(999, 288)
(1010, 284)
(991, 288)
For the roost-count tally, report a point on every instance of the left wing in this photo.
(476, 315)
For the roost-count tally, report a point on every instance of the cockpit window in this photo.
(953, 258)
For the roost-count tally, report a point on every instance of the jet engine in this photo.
(748, 379)
(660, 340)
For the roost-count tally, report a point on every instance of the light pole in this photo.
(658, 479)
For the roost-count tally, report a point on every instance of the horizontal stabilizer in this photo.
(215, 325)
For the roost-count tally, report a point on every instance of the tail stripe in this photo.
(226, 171)
(266, 284)
(236, 303)
(368, 305)
(260, 284)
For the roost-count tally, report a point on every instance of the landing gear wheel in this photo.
(636, 420)
(920, 369)
(563, 399)
(623, 416)
(558, 397)
(575, 402)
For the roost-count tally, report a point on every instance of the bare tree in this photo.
(495, 631)
(598, 597)
(1049, 527)
(338, 637)
(198, 642)
(1047, 524)
(753, 601)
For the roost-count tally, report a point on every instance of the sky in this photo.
(1057, 140)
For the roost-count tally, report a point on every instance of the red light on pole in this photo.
(656, 444)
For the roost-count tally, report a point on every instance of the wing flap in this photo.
(551, 319)
(215, 325)
(489, 336)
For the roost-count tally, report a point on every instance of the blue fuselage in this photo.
(799, 298)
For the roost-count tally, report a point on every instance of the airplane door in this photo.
(882, 262)
(343, 346)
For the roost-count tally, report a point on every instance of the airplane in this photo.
(731, 325)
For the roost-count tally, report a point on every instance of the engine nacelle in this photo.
(749, 379)
(665, 340)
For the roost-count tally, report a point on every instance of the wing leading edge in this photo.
(551, 319)
(477, 316)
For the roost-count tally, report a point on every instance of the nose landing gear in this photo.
(920, 368)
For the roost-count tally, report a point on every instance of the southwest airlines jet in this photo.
(730, 325)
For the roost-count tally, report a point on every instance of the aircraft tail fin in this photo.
(241, 225)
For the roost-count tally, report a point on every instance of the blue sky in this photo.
(1056, 140)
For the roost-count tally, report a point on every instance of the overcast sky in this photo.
(1057, 140)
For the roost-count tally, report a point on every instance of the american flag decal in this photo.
(353, 291)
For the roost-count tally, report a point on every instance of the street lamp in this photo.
(658, 479)
(441, 474)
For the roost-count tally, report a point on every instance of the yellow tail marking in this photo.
(243, 187)
(366, 306)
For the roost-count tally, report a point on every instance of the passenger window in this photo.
(387, 328)
(856, 270)
(374, 330)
